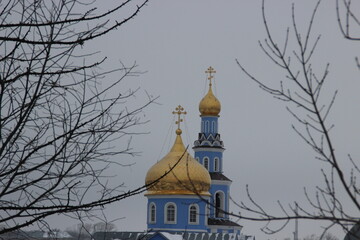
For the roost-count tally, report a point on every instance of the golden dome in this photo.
(187, 177)
(209, 105)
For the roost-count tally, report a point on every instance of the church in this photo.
(188, 197)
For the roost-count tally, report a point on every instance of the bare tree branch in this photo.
(61, 123)
(301, 90)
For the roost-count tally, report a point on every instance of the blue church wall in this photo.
(223, 189)
(182, 213)
(209, 125)
(211, 155)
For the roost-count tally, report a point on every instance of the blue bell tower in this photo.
(209, 150)
(194, 196)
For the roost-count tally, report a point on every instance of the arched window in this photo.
(219, 204)
(170, 213)
(152, 213)
(206, 163)
(216, 165)
(193, 214)
(207, 126)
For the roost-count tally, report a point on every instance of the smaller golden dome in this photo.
(188, 177)
(209, 105)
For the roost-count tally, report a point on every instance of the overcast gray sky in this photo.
(176, 41)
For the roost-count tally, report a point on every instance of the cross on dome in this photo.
(210, 105)
(210, 71)
(179, 110)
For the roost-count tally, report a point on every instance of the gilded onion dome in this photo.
(188, 177)
(210, 105)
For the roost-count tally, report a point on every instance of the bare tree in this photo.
(84, 231)
(336, 201)
(348, 20)
(104, 227)
(329, 236)
(81, 231)
(59, 120)
(311, 237)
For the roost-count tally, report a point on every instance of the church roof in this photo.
(186, 176)
(178, 172)
(218, 176)
(222, 222)
(166, 235)
(122, 235)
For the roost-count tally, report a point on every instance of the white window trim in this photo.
(213, 127)
(222, 204)
(150, 213)
(208, 163)
(216, 164)
(207, 214)
(165, 213)
(196, 216)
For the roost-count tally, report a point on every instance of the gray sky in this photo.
(175, 42)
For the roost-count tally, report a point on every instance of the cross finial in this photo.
(210, 71)
(179, 110)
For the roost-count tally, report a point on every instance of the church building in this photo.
(188, 197)
(194, 195)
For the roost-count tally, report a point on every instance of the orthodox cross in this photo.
(179, 110)
(210, 71)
